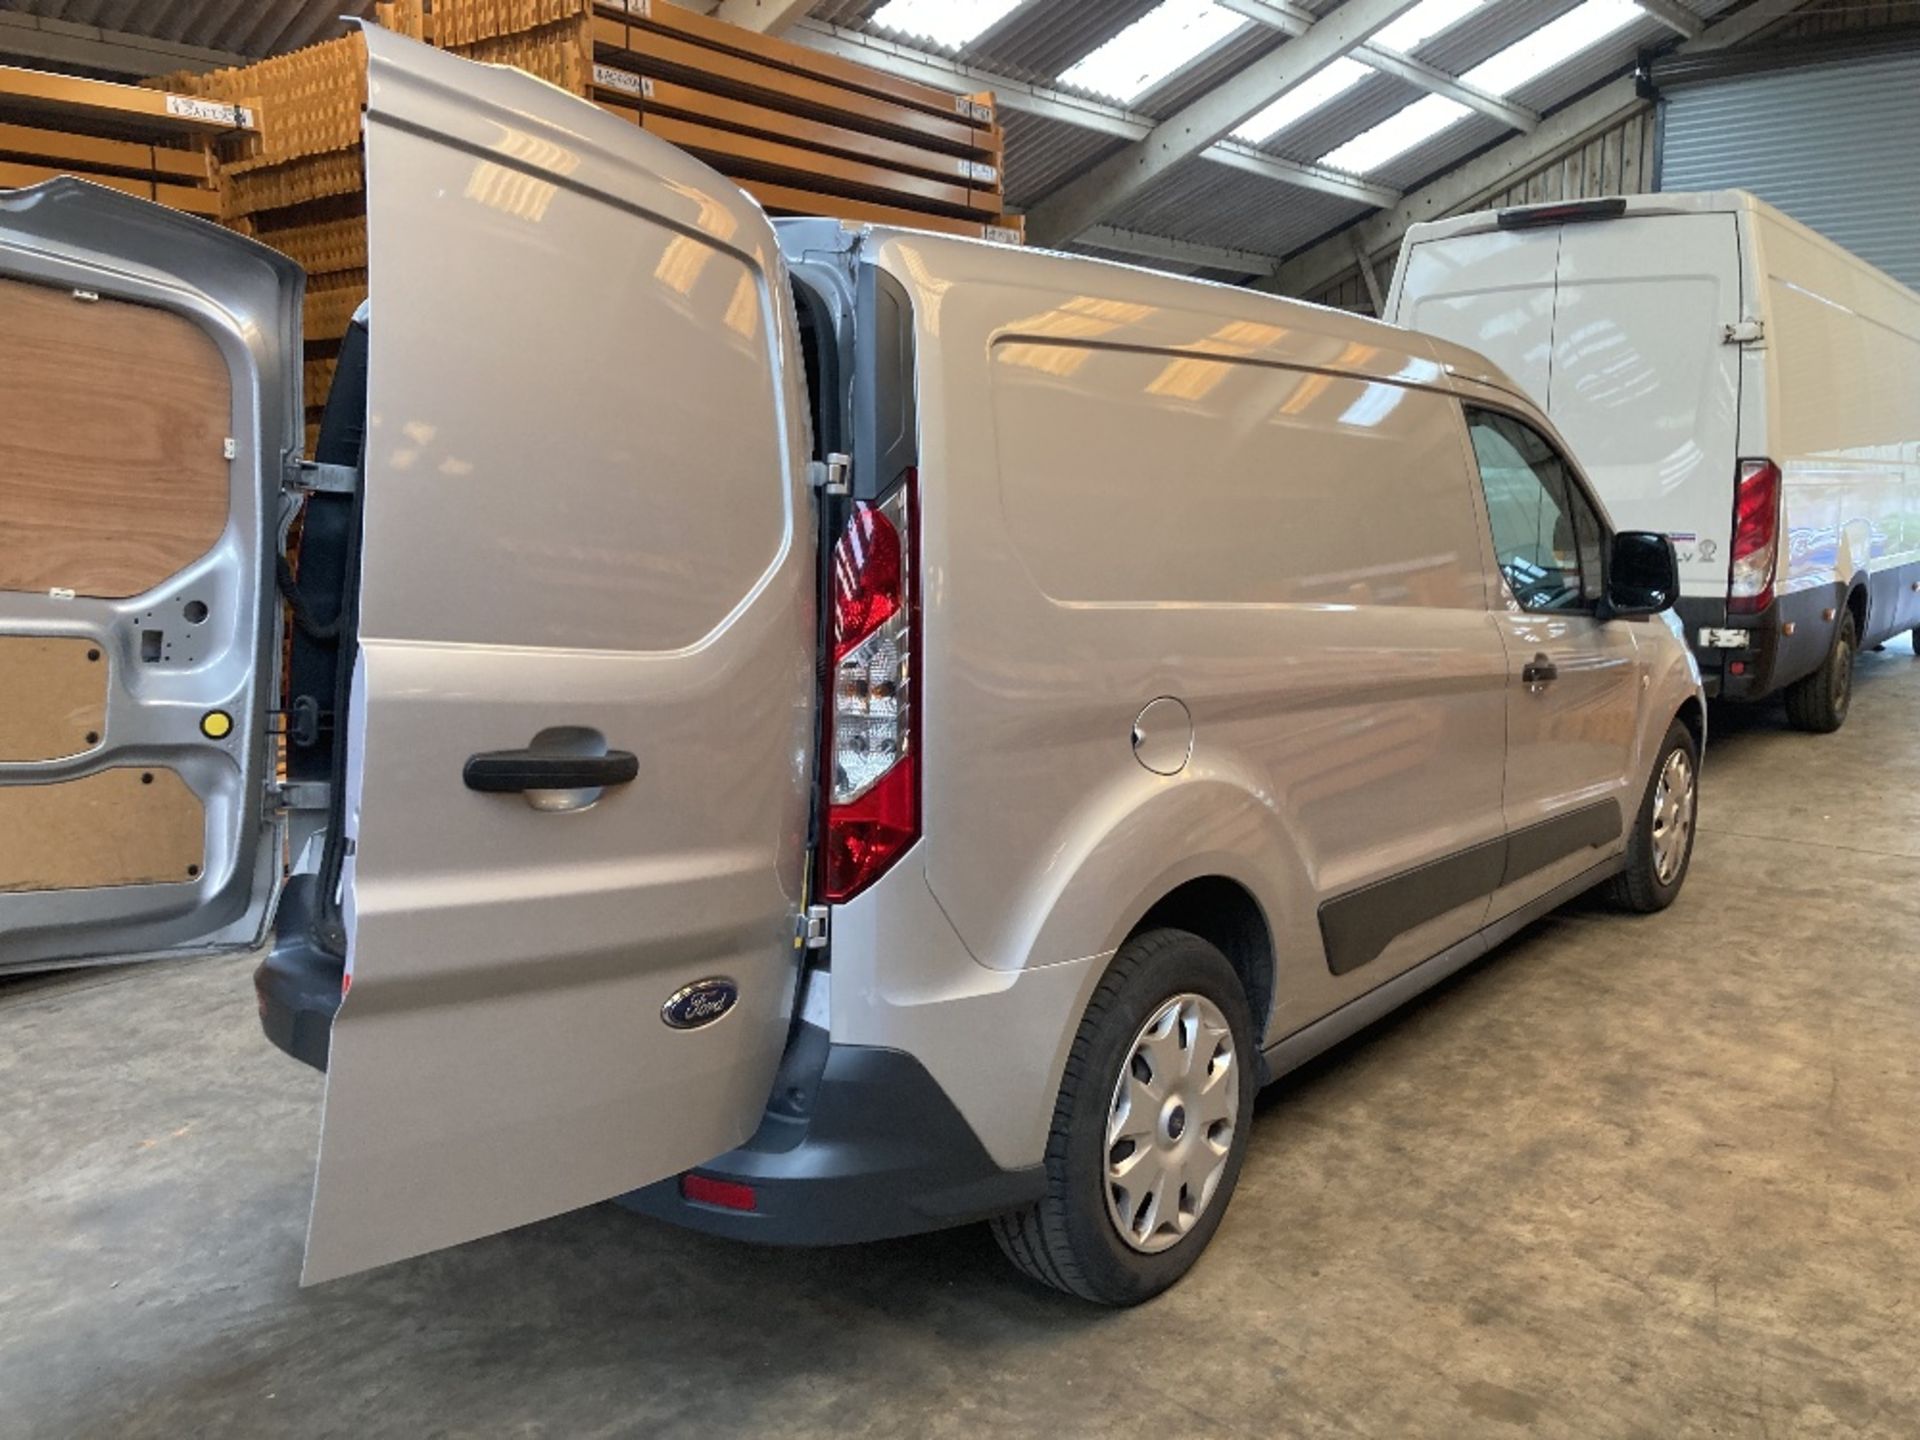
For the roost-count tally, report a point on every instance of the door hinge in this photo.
(832, 476)
(1747, 332)
(314, 478)
(302, 795)
(814, 928)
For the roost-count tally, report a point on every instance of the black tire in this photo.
(1639, 887)
(1067, 1239)
(1818, 703)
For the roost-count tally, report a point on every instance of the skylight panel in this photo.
(1552, 44)
(1395, 135)
(1422, 23)
(948, 24)
(1167, 38)
(1310, 94)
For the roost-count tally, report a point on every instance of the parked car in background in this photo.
(840, 732)
(1729, 377)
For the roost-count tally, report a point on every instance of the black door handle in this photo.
(1539, 671)
(505, 772)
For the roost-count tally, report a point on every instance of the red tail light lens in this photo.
(1756, 537)
(872, 771)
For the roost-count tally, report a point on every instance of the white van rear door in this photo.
(1491, 292)
(1644, 384)
(580, 760)
(149, 397)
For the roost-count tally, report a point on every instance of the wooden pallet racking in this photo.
(147, 142)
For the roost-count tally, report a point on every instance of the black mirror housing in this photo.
(1643, 576)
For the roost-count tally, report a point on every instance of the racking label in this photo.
(625, 81)
(190, 107)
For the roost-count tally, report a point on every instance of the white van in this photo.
(1725, 375)
(830, 734)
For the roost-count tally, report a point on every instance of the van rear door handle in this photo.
(1539, 672)
(506, 772)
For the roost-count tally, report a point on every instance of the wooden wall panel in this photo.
(113, 418)
(53, 697)
(129, 826)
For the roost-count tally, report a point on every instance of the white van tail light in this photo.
(873, 764)
(1756, 537)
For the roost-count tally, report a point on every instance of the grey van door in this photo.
(580, 753)
(149, 394)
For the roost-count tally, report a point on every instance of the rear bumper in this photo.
(297, 986)
(1771, 659)
(857, 1143)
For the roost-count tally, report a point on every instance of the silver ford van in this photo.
(826, 733)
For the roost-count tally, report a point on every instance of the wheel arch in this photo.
(1859, 603)
(1693, 714)
(1226, 914)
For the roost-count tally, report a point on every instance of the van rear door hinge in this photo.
(813, 928)
(303, 795)
(1747, 332)
(832, 476)
(311, 477)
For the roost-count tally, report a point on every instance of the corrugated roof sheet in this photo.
(1205, 203)
(1199, 201)
(1043, 154)
(241, 27)
(1215, 204)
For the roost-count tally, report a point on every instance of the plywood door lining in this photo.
(113, 422)
(127, 826)
(53, 697)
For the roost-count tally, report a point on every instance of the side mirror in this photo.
(1643, 577)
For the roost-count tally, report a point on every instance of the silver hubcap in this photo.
(1672, 815)
(1170, 1127)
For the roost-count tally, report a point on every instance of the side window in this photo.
(1546, 536)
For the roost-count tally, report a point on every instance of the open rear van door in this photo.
(149, 399)
(580, 749)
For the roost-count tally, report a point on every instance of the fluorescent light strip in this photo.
(1166, 39)
(1407, 127)
(1552, 44)
(1422, 23)
(1310, 94)
(947, 24)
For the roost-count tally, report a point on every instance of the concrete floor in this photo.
(1623, 1178)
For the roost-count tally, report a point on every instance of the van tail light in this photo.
(1756, 537)
(873, 764)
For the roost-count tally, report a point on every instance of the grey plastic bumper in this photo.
(857, 1144)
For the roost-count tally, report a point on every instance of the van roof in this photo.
(1124, 305)
(1666, 202)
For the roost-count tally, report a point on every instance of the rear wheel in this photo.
(1150, 1127)
(1661, 845)
(1819, 702)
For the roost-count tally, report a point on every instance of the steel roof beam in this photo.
(1435, 81)
(1073, 109)
(1488, 173)
(769, 17)
(114, 52)
(1675, 16)
(1121, 178)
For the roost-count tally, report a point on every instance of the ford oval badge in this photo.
(700, 1003)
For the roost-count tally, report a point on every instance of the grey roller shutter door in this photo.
(1836, 146)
